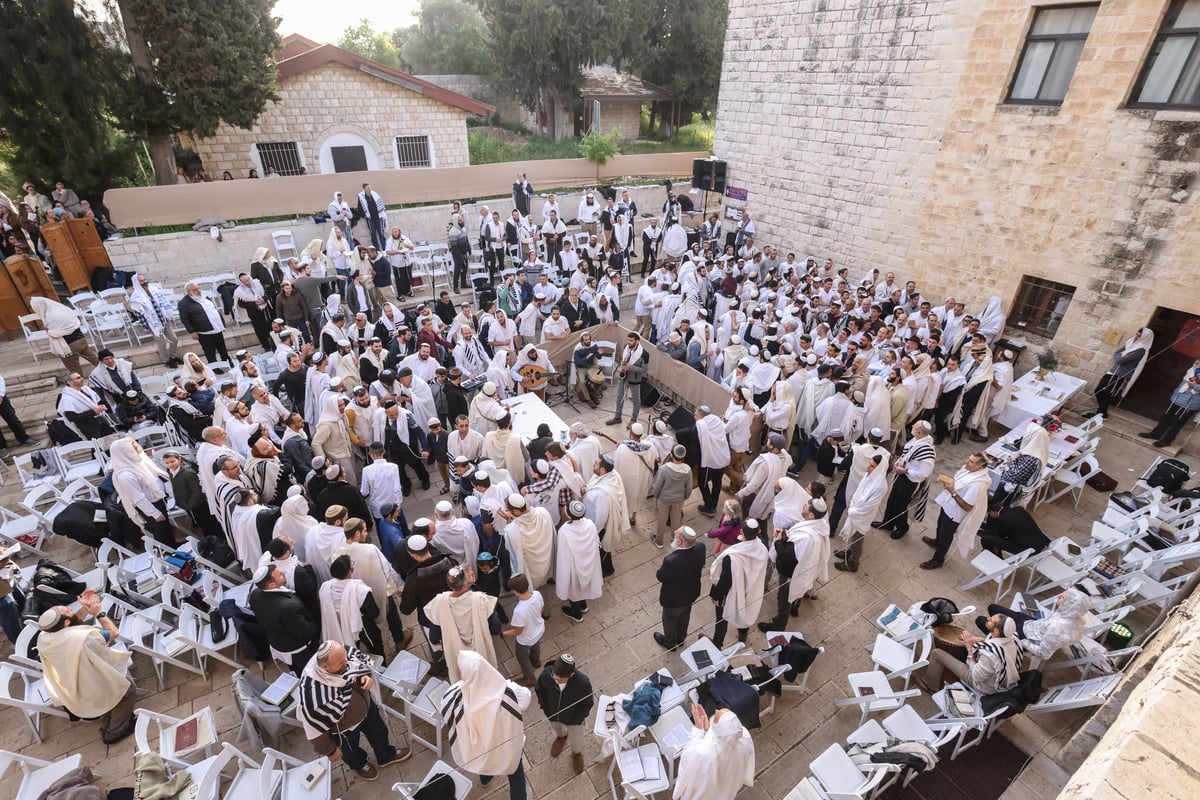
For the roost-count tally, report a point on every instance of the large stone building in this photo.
(1044, 153)
(340, 112)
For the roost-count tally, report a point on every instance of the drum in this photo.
(596, 375)
(949, 638)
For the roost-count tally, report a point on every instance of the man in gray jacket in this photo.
(672, 487)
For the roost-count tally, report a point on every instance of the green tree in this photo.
(449, 39)
(368, 43)
(195, 64)
(541, 46)
(679, 45)
(599, 147)
(54, 112)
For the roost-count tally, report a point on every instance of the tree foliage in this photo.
(213, 61)
(450, 38)
(369, 43)
(679, 45)
(58, 75)
(599, 147)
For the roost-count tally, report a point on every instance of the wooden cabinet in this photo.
(23, 277)
(78, 250)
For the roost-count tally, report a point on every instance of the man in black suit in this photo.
(457, 402)
(679, 575)
(1011, 530)
(289, 626)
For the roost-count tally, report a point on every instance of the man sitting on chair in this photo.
(532, 370)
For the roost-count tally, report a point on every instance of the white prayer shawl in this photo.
(527, 320)
(861, 455)
(484, 412)
(323, 546)
(142, 304)
(566, 468)
(661, 445)
(981, 375)
(585, 449)
(878, 406)
(424, 408)
(464, 623)
(341, 610)
(78, 401)
(761, 476)
(810, 541)
(991, 321)
(779, 414)
(486, 730)
(715, 764)
(871, 491)
(136, 477)
(832, 414)
(748, 567)
(82, 673)
(577, 563)
(789, 503)
(58, 321)
(634, 462)
(1145, 343)
(457, 538)
(714, 446)
(1036, 442)
(964, 537)
(471, 446)
(505, 447)
(247, 545)
(316, 383)
(762, 376)
(1002, 373)
(607, 508)
(531, 545)
(815, 391)
(206, 457)
(372, 568)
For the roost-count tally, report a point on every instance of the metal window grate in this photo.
(1040, 306)
(412, 151)
(283, 156)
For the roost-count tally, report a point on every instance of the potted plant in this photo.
(1047, 363)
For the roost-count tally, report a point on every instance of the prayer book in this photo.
(961, 702)
(279, 691)
(637, 765)
(193, 733)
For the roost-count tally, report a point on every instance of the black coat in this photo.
(287, 621)
(340, 493)
(572, 705)
(456, 402)
(679, 575)
(192, 315)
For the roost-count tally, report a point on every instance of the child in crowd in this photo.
(527, 627)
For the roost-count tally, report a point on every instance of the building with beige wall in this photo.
(340, 112)
(1044, 153)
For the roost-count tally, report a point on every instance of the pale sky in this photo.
(314, 18)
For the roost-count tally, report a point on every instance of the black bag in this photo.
(943, 609)
(216, 550)
(78, 522)
(1014, 701)
(60, 433)
(52, 586)
(1170, 475)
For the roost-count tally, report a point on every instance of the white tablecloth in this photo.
(1064, 443)
(1032, 398)
(528, 411)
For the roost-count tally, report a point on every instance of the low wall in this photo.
(174, 258)
(306, 194)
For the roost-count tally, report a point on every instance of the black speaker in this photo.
(650, 395)
(718, 181)
(708, 175)
(681, 418)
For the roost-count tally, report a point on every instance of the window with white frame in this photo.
(413, 151)
(1172, 75)
(1051, 53)
(283, 156)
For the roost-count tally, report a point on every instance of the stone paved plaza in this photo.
(614, 644)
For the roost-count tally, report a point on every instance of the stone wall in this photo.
(174, 258)
(334, 103)
(878, 133)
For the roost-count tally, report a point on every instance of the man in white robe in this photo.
(635, 463)
(374, 570)
(662, 441)
(737, 578)
(463, 619)
(506, 448)
(342, 614)
(761, 475)
(584, 449)
(717, 761)
(465, 441)
(801, 554)
(714, 458)
(530, 536)
(578, 577)
(486, 409)
(422, 406)
(325, 542)
(860, 512)
(247, 544)
(607, 507)
(215, 444)
(454, 536)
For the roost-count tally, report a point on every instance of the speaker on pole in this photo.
(708, 174)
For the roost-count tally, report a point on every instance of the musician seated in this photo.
(533, 370)
(589, 377)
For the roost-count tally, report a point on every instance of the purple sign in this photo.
(734, 193)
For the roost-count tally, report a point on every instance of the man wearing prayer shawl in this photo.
(83, 674)
(737, 578)
(506, 448)
(758, 493)
(714, 458)
(374, 570)
(84, 408)
(454, 536)
(717, 761)
(913, 470)
(964, 505)
(348, 610)
(577, 575)
(861, 512)
(634, 460)
(484, 723)
(801, 554)
(585, 448)
(486, 410)
(463, 620)
(530, 537)
(606, 505)
(1127, 364)
(975, 398)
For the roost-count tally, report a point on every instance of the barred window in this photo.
(1172, 74)
(1040, 306)
(283, 156)
(1051, 53)
(413, 151)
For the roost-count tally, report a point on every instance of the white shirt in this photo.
(953, 510)
(588, 213)
(528, 615)
(737, 428)
(380, 485)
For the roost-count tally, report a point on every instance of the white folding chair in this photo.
(898, 624)
(770, 657)
(291, 772)
(81, 301)
(36, 775)
(839, 778)
(22, 647)
(975, 728)
(1000, 571)
(110, 323)
(285, 245)
(872, 693)
(29, 696)
(1080, 694)
(427, 707)
(608, 352)
(462, 784)
(901, 659)
(37, 467)
(1073, 476)
(626, 756)
(152, 728)
(672, 732)
(249, 782)
(80, 460)
(35, 337)
(1101, 662)
(23, 529)
(45, 503)
(907, 725)
(869, 734)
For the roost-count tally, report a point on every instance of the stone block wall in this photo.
(878, 133)
(334, 99)
(624, 116)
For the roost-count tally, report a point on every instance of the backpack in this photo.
(52, 586)
(1169, 475)
(60, 432)
(216, 550)
(942, 609)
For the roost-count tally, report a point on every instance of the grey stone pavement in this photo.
(614, 644)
